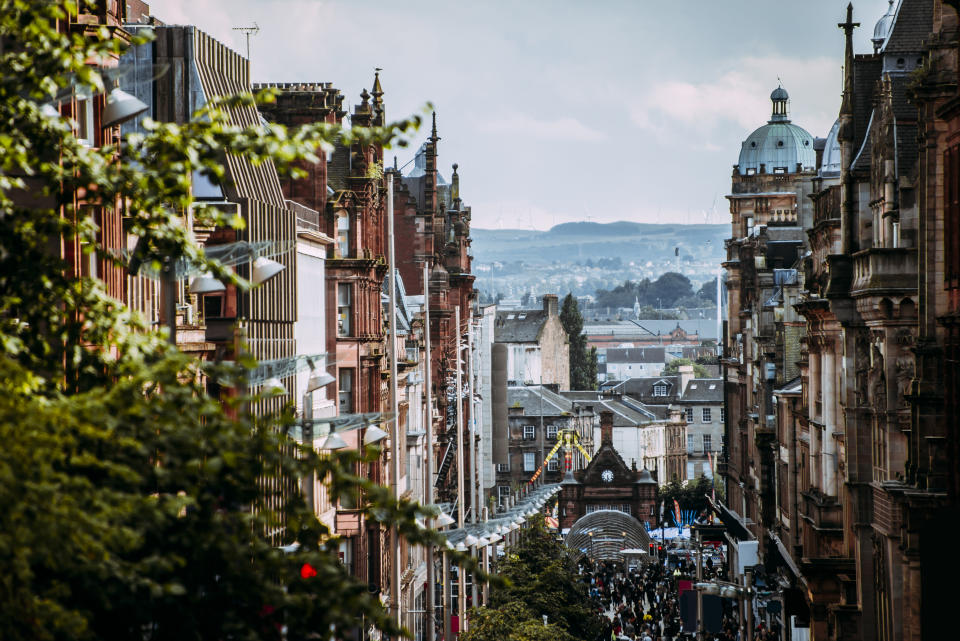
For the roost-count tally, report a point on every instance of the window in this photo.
(84, 118)
(660, 389)
(343, 233)
(551, 431)
(707, 443)
(529, 461)
(622, 507)
(723, 415)
(503, 493)
(706, 415)
(504, 467)
(553, 464)
(690, 442)
(344, 309)
(529, 432)
(346, 391)
(689, 412)
(212, 305)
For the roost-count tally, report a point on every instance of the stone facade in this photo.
(847, 473)
(608, 483)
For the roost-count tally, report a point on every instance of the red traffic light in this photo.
(307, 571)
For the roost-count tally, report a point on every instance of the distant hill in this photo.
(577, 242)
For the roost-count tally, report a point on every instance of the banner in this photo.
(676, 512)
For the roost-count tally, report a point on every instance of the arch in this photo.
(908, 308)
(601, 535)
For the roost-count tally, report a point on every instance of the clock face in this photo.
(607, 476)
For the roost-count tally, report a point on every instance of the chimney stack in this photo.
(550, 305)
(606, 428)
(686, 375)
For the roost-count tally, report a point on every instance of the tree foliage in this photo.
(542, 579)
(691, 495)
(673, 368)
(133, 503)
(583, 361)
(666, 291)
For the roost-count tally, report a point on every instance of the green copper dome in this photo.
(779, 146)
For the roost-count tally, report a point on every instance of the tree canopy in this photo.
(134, 503)
(583, 361)
(668, 290)
(673, 368)
(541, 579)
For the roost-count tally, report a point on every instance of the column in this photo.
(829, 445)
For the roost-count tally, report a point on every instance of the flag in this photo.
(676, 512)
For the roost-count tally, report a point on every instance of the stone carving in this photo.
(905, 371)
(878, 380)
(862, 365)
(904, 337)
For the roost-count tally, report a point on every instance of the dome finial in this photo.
(882, 29)
(779, 98)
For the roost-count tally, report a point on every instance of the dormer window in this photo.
(660, 389)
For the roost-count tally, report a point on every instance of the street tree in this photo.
(583, 361)
(541, 579)
(134, 503)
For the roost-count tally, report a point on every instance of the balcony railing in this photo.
(880, 271)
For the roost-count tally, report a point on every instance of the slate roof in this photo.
(703, 390)
(659, 412)
(636, 355)
(866, 72)
(912, 24)
(518, 325)
(623, 415)
(532, 397)
(642, 388)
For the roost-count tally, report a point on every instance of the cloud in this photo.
(557, 129)
(740, 96)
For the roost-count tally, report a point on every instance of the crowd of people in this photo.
(643, 604)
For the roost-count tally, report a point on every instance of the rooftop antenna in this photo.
(249, 31)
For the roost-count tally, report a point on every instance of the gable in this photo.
(607, 458)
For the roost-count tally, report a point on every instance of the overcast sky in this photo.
(561, 110)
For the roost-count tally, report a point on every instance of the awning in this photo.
(785, 555)
(731, 519)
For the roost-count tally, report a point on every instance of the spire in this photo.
(847, 106)
(433, 130)
(377, 91)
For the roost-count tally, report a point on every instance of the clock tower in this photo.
(608, 483)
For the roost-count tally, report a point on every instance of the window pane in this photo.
(529, 461)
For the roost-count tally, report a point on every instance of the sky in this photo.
(559, 111)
